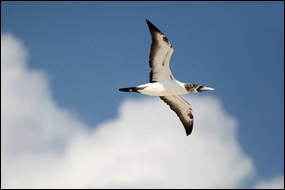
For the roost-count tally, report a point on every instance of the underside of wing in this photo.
(183, 110)
(160, 54)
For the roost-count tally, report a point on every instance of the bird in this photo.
(162, 82)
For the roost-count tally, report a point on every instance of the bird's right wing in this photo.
(183, 110)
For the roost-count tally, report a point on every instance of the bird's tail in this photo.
(129, 89)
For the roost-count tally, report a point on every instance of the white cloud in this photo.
(45, 146)
(29, 114)
(276, 182)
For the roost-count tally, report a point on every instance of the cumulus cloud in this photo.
(29, 114)
(274, 183)
(45, 146)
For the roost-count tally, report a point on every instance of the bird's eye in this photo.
(199, 88)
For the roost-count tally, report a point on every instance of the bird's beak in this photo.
(204, 88)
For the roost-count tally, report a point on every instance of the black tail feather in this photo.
(129, 89)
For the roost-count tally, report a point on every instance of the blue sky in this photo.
(88, 50)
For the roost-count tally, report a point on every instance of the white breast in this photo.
(166, 88)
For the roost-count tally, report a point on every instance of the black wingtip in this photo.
(189, 130)
(152, 27)
(149, 23)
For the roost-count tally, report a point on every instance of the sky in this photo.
(64, 124)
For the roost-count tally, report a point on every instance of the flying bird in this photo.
(162, 83)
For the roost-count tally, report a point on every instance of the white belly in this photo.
(163, 88)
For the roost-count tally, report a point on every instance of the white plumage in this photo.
(162, 82)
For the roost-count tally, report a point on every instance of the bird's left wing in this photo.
(160, 54)
(183, 110)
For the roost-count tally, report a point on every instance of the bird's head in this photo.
(193, 88)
